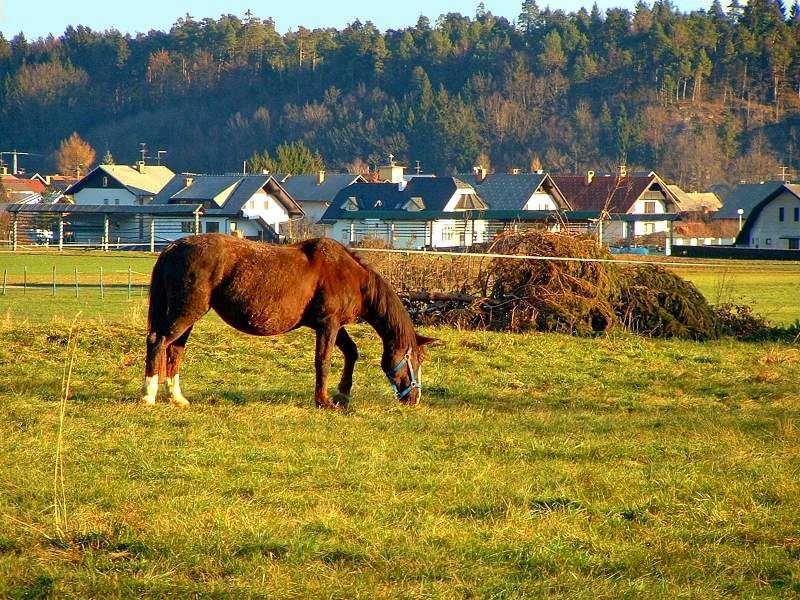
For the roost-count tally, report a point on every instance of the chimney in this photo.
(47, 180)
(623, 171)
(480, 173)
(320, 176)
(140, 166)
(589, 177)
(3, 170)
(515, 171)
(188, 180)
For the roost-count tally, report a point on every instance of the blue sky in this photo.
(37, 18)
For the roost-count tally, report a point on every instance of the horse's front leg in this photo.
(348, 347)
(326, 337)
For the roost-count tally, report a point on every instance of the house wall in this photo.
(313, 210)
(768, 230)
(541, 201)
(442, 233)
(111, 196)
(642, 226)
(268, 208)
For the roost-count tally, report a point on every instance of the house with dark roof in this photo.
(251, 206)
(510, 191)
(21, 191)
(773, 222)
(745, 197)
(437, 212)
(315, 193)
(120, 185)
(632, 205)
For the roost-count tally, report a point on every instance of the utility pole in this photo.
(15, 154)
(143, 150)
(785, 175)
(159, 154)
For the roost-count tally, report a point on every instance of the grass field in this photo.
(536, 466)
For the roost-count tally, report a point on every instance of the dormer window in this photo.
(105, 181)
(351, 204)
(416, 203)
(378, 204)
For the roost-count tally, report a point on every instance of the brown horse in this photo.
(267, 290)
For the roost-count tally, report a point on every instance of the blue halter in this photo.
(406, 360)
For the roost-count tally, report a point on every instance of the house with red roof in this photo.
(630, 204)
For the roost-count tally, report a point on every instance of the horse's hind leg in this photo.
(326, 337)
(155, 365)
(348, 347)
(174, 355)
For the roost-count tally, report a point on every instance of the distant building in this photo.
(695, 202)
(437, 212)
(773, 222)
(631, 205)
(511, 191)
(21, 191)
(315, 193)
(120, 185)
(253, 206)
(744, 197)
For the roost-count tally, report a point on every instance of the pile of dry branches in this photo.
(571, 296)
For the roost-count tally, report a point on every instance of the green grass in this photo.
(538, 465)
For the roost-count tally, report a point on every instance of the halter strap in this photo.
(406, 360)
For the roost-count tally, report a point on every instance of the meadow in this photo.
(537, 465)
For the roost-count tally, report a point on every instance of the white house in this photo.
(438, 212)
(516, 191)
(120, 185)
(774, 222)
(252, 206)
(632, 205)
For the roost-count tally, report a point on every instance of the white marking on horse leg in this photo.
(174, 391)
(150, 390)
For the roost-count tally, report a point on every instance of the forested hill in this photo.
(702, 97)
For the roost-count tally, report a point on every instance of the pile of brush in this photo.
(564, 292)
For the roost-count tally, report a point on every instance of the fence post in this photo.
(197, 223)
(61, 233)
(105, 233)
(54, 280)
(76, 282)
(668, 240)
(102, 289)
(14, 234)
(152, 234)
(129, 283)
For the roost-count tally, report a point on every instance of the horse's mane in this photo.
(385, 303)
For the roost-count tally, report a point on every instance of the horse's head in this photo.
(403, 367)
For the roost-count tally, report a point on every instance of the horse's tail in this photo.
(158, 295)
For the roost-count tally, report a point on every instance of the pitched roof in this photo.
(147, 183)
(746, 196)
(504, 191)
(304, 188)
(239, 188)
(374, 197)
(605, 192)
(770, 193)
(16, 185)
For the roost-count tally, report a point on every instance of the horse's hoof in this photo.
(341, 400)
(148, 401)
(179, 402)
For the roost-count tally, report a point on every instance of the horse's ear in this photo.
(425, 341)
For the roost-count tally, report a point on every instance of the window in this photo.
(105, 181)
(649, 227)
(796, 214)
(781, 214)
(448, 233)
(116, 201)
(649, 208)
(233, 227)
(187, 226)
(768, 242)
(212, 227)
(794, 243)
(105, 200)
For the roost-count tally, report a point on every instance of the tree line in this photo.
(703, 97)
